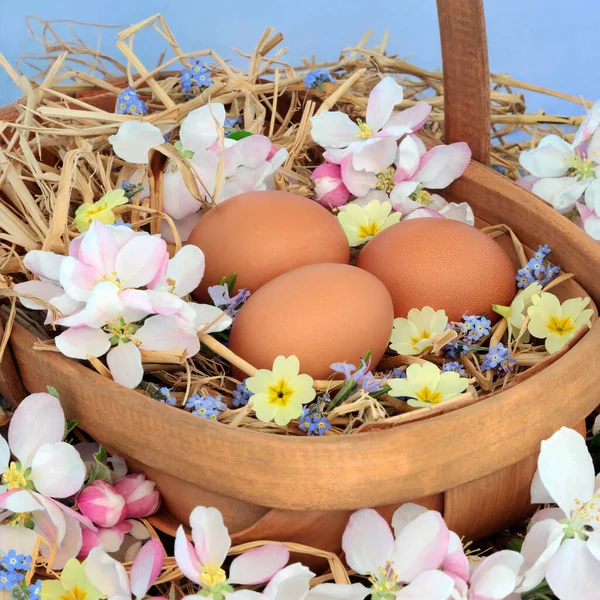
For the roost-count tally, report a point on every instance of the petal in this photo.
(20, 539)
(20, 501)
(146, 567)
(421, 545)
(44, 264)
(258, 565)
(375, 155)
(458, 212)
(591, 222)
(78, 279)
(178, 201)
(548, 159)
(592, 195)
(184, 228)
(574, 573)
(186, 557)
(367, 541)
(430, 585)
(239, 595)
(165, 333)
(125, 364)
(44, 290)
(547, 513)
(165, 303)
(206, 314)
(413, 117)
(99, 248)
(496, 575)
(291, 583)
(561, 192)
(400, 197)
(456, 563)
(38, 420)
(407, 159)
(78, 342)
(251, 151)
(333, 129)
(57, 470)
(382, 99)
(134, 140)
(539, 494)
(405, 514)
(443, 164)
(589, 125)
(137, 301)
(107, 575)
(139, 260)
(338, 591)
(211, 538)
(566, 469)
(186, 269)
(357, 182)
(200, 128)
(4, 456)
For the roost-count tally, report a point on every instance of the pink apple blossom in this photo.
(201, 562)
(329, 187)
(102, 504)
(141, 499)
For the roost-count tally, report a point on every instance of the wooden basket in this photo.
(475, 464)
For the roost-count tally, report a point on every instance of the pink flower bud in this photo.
(102, 504)
(89, 541)
(329, 186)
(139, 493)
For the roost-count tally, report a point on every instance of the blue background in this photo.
(546, 42)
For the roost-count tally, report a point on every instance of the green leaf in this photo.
(231, 282)
(515, 544)
(70, 426)
(238, 135)
(384, 390)
(100, 471)
(52, 391)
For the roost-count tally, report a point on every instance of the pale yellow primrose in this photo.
(280, 393)
(101, 210)
(557, 323)
(361, 223)
(72, 585)
(418, 331)
(426, 385)
(515, 313)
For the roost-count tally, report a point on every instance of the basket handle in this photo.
(466, 75)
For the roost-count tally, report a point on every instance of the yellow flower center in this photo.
(429, 396)
(386, 180)
(20, 519)
(580, 167)
(75, 593)
(369, 230)
(212, 575)
(560, 326)
(421, 196)
(280, 393)
(424, 335)
(112, 278)
(14, 477)
(364, 130)
(385, 582)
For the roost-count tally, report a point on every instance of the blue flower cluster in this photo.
(168, 397)
(397, 373)
(197, 75)
(475, 328)
(316, 79)
(219, 294)
(129, 103)
(231, 122)
(538, 269)
(206, 406)
(12, 567)
(455, 367)
(313, 422)
(498, 358)
(241, 394)
(362, 377)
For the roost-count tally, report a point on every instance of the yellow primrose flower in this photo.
(361, 223)
(426, 385)
(418, 331)
(73, 584)
(279, 394)
(557, 323)
(515, 313)
(100, 210)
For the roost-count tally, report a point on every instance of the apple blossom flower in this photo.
(590, 220)
(565, 172)
(404, 567)
(102, 504)
(201, 562)
(425, 385)
(134, 140)
(370, 144)
(361, 223)
(557, 323)
(589, 125)
(418, 331)
(278, 395)
(329, 186)
(141, 499)
(111, 579)
(100, 210)
(563, 544)
(73, 583)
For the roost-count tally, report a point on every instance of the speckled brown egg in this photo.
(260, 235)
(322, 313)
(440, 263)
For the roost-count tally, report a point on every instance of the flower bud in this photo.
(329, 186)
(102, 504)
(139, 493)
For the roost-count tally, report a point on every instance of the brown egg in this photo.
(440, 263)
(322, 313)
(260, 235)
